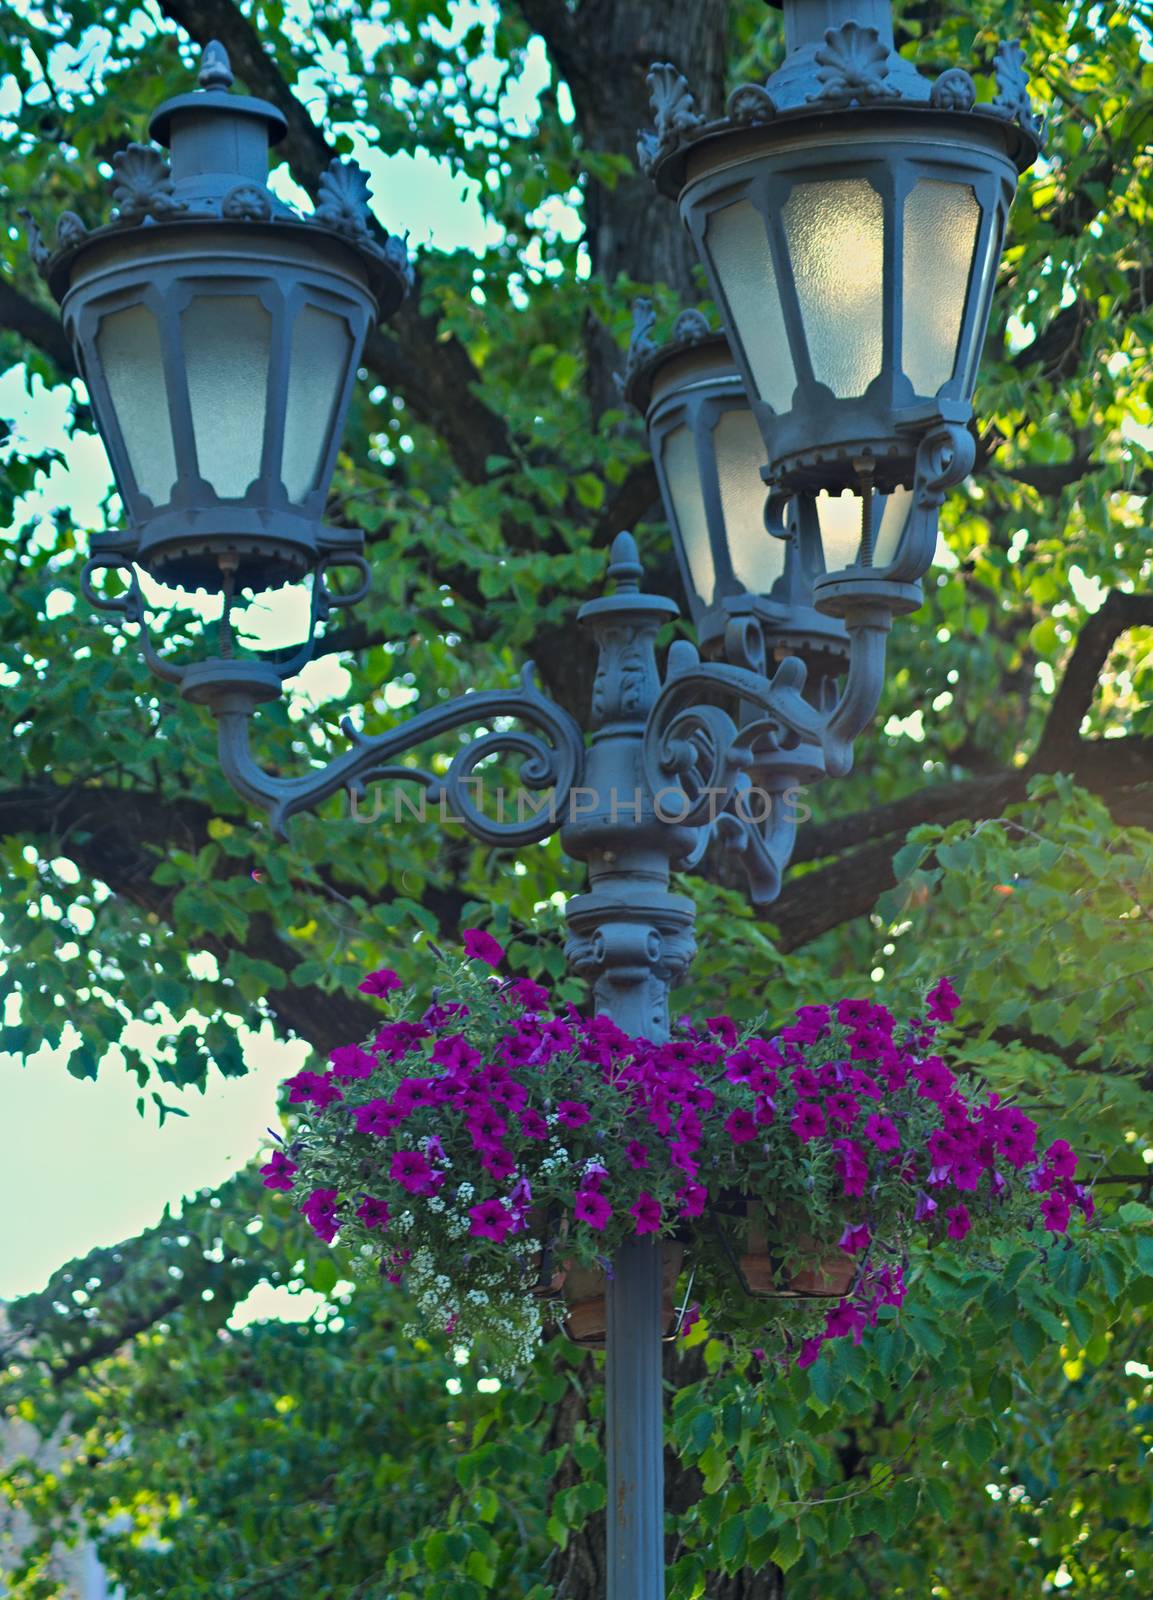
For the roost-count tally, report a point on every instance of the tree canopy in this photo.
(991, 1439)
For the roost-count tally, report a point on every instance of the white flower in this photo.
(436, 1203)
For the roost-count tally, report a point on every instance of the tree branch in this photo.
(36, 324)
(1083, 669)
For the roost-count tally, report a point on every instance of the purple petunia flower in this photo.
(319, 1211)
(855, 1238)
(377, 1117)
(381, 983)
(314, 1088)
(843, 1108)
(740, 1126)
(490, 1220)
(810, 1350)
(411, 1170)
(572, 1113)
(532, 996)
(882, 1131)
(350, 1061)
(959, 1222)
(636, 1154)
(943, 1001)
(646, 1213)
(692, 1198)
(278, 1171)
(374, 1213)
(808, 1121)
(1055, 1211)
(1061, 1159)
(925, 1206)
(480, 946)
(593, 1208)
(532, 1124)
(498, 1163)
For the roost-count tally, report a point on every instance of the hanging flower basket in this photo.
(493, 1151)
(820, 1272)
(586, 1296)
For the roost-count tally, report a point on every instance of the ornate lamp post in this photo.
(849, 214)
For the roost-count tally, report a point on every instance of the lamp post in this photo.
(849, 214)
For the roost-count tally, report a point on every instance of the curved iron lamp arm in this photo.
(232, 690)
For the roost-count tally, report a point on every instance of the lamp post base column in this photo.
(634, 1423)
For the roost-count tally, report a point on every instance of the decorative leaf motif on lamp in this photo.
(142, 185)
(343, 199)
(69, 230)
(1013, 87)
(853, 64)
(675, 113)
(641, 343)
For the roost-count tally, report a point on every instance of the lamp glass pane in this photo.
(227, 342)
(981, 288)
(757, 558)
(890, 515)
(940, 232)
(682, 475)
(839, 516)
(128, 344)
(836, 231)
(321, 351)
(737, 240)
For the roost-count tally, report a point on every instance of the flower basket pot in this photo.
(586, 1292)
(828, 1272)
(549, 1271)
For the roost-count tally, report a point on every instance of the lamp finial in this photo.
(215, 67)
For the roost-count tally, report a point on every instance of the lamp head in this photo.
(218, 332)
(849, 214)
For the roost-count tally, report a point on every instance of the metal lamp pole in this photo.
(849, 215)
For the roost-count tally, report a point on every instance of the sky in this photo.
(111, 1172)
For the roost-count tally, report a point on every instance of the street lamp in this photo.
(849, 214)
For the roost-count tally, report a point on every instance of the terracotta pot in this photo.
(586, 1291)
(549, 1272)
(829, 1273)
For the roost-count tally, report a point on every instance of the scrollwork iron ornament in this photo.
(549, 763)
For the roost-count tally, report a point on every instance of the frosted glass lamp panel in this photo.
(941, 221)
(836, 233)
(683, 478)
(981, 290)
(227, 342)
(839, 518)
(128, 344)
(737, 241)
(321, 352)
(757, 558)
(890, 514)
